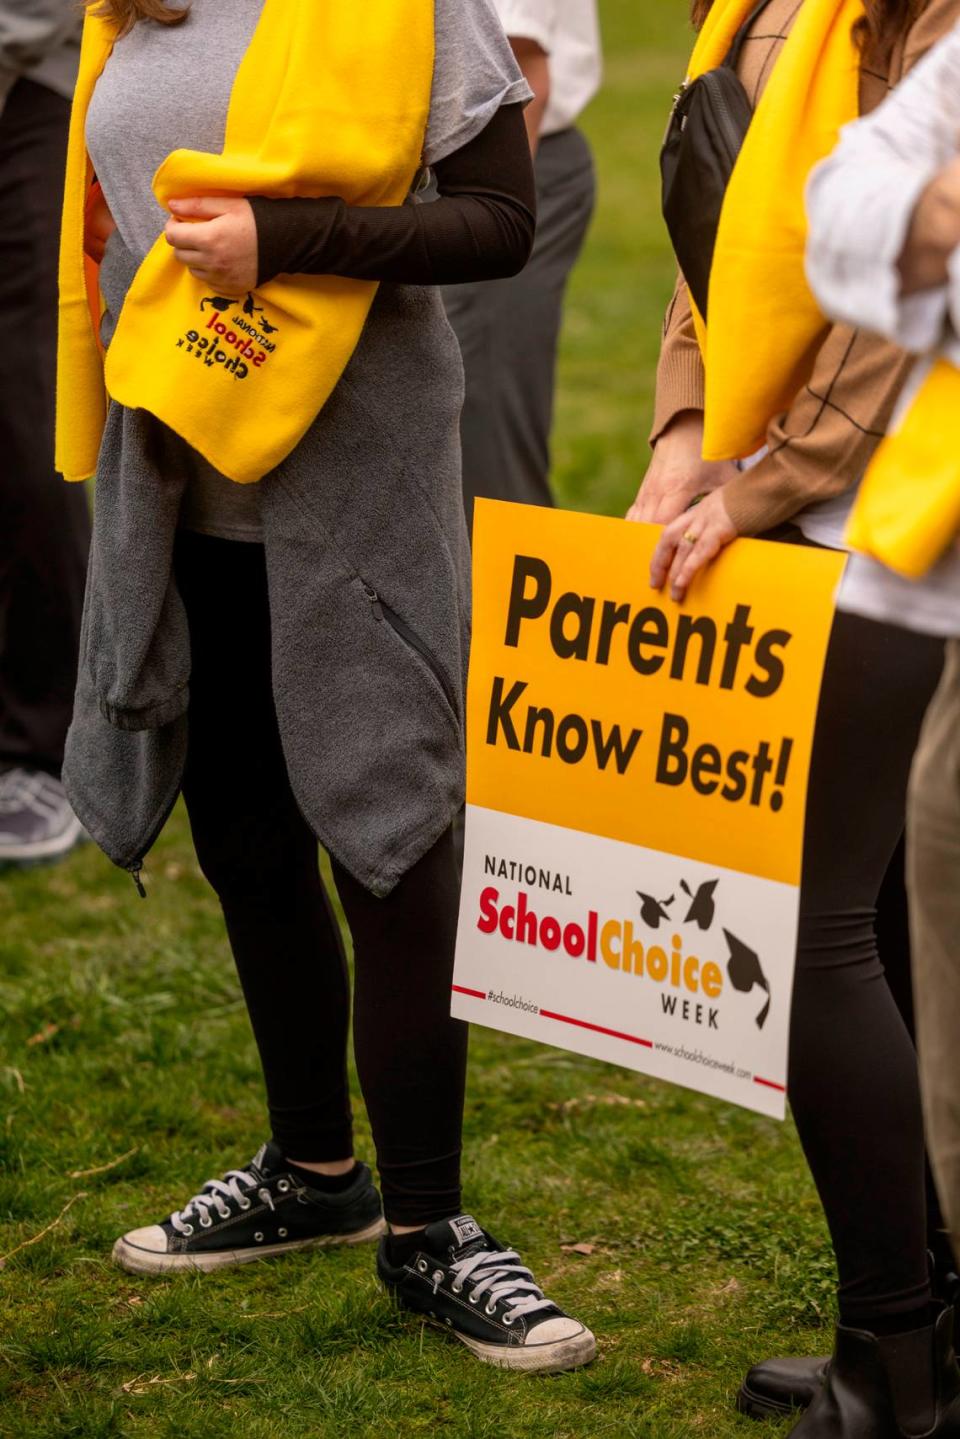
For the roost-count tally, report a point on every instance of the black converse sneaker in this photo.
(253, 1213)
(464, 1281)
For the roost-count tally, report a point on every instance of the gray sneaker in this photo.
(37, 825)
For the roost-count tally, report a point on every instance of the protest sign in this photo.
(636, 785)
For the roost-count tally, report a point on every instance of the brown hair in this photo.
(885, 22)
(126, 13)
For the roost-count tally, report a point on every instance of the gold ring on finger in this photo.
(690, 538)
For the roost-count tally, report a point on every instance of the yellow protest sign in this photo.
(636, 786)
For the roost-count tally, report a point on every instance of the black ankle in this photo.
(401, 1247)
(325, 1183)
(883, 1326)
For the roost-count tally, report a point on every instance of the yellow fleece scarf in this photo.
(907, 512)
(765, 326)
(330, 99)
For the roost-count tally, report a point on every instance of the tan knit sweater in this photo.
(823, 443)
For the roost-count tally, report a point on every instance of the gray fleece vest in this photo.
(368, 569)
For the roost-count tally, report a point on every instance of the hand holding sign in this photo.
(691, 542)
(624, 752)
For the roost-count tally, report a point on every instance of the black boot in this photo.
(779, 1387)
(906, 1386)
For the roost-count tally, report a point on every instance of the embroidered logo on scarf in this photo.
(239, 345)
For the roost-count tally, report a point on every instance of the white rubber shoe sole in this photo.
(145, 1261)
(571, 1353)
(45, 851)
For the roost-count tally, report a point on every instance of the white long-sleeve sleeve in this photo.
(861, 201)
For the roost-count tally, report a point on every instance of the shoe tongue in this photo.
(267, 1160)
(461, 1237)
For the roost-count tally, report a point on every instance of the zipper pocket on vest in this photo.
(385, 615)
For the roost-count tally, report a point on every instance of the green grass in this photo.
(122, 1029)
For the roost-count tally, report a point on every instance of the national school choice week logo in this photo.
(685, 980)
(236, 346)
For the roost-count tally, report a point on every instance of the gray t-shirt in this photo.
(168, 88)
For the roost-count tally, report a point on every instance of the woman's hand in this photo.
(677, 475)
(98, 225)
(689, 543)
(934, 233)
(216, 238)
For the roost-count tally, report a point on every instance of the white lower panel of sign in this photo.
(680, 970)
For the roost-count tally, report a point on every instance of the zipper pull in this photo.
(374, 599)
(135, 871)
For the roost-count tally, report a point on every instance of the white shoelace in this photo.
(503, 1279)
(33, 790)
(215, 1194)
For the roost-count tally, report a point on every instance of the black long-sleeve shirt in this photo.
(481, 227)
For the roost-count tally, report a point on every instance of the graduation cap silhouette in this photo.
(652, 910)
(745, 971)
(219, 302)
(703, 909)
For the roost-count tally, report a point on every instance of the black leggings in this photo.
(853, 1079)
(261, 858)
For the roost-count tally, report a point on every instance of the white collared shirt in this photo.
(569, 32)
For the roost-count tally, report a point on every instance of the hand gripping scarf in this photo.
(765, 326)
(331, 98)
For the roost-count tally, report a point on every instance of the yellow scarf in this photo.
(330, 99)
(765, 326)
(907, 513)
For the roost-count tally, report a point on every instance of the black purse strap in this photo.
(740, 39)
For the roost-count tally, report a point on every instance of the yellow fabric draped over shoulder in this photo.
(328, 100)
(907, 512)
(765, 326)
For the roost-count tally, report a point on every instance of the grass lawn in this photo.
(122, 1034)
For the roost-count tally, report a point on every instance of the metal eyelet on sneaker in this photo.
(422, 1266)
(473, 1299)
(283, 1186)
(244, 1204)
(206, 1222)
(508, 1319)
(258, 1237)
(456, 1287)
(282, 1233)
(489, 1309)
(188, 1229)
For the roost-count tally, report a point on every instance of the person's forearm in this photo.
(681, 380)
(481, 228)
(535, 64)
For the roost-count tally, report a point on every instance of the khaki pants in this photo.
(934, 874)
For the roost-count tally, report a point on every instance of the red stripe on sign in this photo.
(597, 1028)
(769, 1084)
(473, 993)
